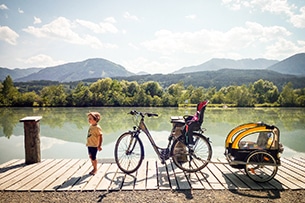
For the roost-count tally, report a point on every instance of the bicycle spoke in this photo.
(195, 159)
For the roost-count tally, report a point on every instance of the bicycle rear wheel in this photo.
(192, 160)
(128, 152)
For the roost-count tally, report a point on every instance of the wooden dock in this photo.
(72, 175)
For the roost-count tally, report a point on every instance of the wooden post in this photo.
(31, 139)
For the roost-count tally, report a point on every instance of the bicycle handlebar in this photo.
(134, 112)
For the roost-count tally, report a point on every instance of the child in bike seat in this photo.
(193, 123)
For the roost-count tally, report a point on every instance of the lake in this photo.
(63, 131)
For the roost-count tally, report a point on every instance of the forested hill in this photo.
(218, 64)
(90, 68)
(220, 78)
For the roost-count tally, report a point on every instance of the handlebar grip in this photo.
(133, 112)
(151, 114)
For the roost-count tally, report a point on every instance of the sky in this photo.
(159, 36)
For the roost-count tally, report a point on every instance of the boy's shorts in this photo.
(92, 151)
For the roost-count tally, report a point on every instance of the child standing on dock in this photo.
(94, 139)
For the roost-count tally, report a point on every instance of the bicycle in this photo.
(129, 150)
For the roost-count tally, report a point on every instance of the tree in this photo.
(81, 95)
(287, 97)
(9, 93)
(265, 91)
(53, 96)
(100, 91)
(153, 89)
(175, 92)
(29, 99)
(197, 95)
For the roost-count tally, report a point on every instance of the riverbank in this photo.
(249, 196)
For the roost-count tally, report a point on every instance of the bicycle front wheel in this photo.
(128, 152)
(192, 160)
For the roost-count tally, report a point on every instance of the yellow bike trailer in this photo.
(256, 148)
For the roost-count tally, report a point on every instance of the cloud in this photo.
(283, 48)
(3, 7)
(37, 20)
(213, 41)
(20, 11)
(102, 27)
(149, 66)
(299, 20)
(128, 16)
(41, 60)
(8, 35)
(63, 29)
(272, 6)
(192, 17)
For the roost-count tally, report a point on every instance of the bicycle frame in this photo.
(143, 127)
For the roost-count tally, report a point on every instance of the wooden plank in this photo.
(9, 169)
(287, 172)
(93, 183)
(223, 180)
(171, 176)
(30, 174)
(140, 183)
(78, 179)
(294, 167)
(193, 180)
(238, 176)
(210, 180)
(201, 177)
(14, 163)
(66, 172)
(272, 184)
(15, 175)
(117, 180)
(129, 181)
(286, 180)
(152, 182)
(53, 174)
(46, 171)
(299, 162)
(162, 176)
(232, 177)
(241, 174)
(106, 181)
(182, 181)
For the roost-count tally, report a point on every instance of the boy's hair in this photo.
(96, 116)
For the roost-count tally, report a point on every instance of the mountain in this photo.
(17, 72)
(90, 68)
(142, 73)
(220, 78)
(294, 65)
(217, 64)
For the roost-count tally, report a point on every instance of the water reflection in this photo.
(67, 127)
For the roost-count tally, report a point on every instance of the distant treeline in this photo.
(112, 92)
